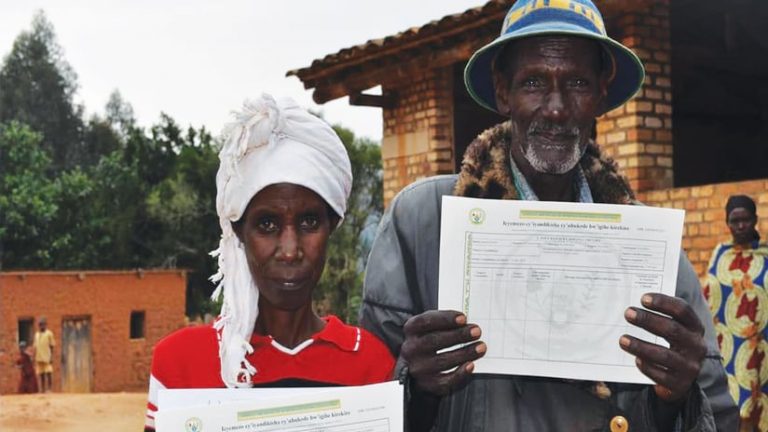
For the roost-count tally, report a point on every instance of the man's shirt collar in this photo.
(525, 191)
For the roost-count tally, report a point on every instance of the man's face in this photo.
(551, 88)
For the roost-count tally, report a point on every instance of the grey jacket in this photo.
(402, 281)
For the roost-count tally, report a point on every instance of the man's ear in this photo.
(501, 91)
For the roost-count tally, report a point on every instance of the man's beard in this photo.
(534, 151)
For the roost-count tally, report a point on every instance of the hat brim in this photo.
(628, 69)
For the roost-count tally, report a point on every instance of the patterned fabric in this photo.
(735, 289)
(486, 171)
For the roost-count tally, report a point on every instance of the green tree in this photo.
(182, 208)
(27, 198)
(119, 114)
(36, 88)
(340, 288)
(99, 139)
(95, 222)
(98, 200)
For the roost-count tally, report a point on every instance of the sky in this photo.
(198, 60)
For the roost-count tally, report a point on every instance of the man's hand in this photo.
(673, 369)
(432, 331)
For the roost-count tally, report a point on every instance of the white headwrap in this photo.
(270, 142)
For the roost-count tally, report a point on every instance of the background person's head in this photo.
(741, 217)
(42, 323)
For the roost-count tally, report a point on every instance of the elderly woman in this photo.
(735, 289)
(282, 187)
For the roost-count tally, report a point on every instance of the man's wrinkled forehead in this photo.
(550, 47)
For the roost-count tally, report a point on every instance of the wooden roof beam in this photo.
(387, 100)
(394, 74)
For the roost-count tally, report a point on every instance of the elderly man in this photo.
(552, 71)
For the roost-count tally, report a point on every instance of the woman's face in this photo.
(285, 231)
(741, 223)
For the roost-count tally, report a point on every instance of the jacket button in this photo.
(619, 424)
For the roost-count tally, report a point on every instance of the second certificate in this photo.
(548, 283)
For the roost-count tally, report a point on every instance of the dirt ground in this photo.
(67, 412)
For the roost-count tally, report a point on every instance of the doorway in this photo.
(76, 355)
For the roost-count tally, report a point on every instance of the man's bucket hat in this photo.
(527, 18)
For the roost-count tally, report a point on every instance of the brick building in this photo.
(695, 134)
(105, 324)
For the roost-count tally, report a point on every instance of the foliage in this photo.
(181, 208)
(119, 114)
(340, 288)
(109, 194)
(97, 209)
(36, 88)
(27, 201)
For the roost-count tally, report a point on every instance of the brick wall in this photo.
(418, 131)
(638, 135)
(705, 225)
(108, 298)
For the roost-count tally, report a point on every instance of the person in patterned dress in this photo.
(735, 288)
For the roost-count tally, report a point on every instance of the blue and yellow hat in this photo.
(580, 18)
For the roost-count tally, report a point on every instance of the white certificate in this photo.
(371, 408)
(184, 398)
(548, 282)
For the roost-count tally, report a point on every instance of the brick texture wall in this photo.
(705, 225)
(638, 135)
(418, 131)
(107, 298)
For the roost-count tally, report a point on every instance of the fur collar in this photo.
(486, 173)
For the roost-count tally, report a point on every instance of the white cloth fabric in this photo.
(271, 141)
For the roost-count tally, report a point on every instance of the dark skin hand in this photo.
(432, 331)
(673, 369)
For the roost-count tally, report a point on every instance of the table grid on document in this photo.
(529, 306)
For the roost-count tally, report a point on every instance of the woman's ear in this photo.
(333, 219)
(237, 227)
